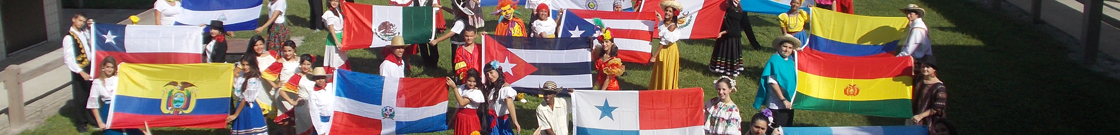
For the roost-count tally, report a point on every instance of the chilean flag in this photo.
(148, 44)
(369, 104)
(660, 112)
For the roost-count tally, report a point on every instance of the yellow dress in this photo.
(667, 68)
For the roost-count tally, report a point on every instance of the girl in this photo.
(727, 56)
(167, 11)
(104, 88)
(469, 95)
(722, 113)
(759, 124)
(334, 57)
(300, 84)
(245, 119)
(793, 21)
(608, 65)
(277, 30)
(666, 60)
(544, 27)
(216, 48)
(502, 114)
(262, 58)
(283, 69)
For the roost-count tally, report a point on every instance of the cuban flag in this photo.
(527, 63)
(368, 104)
(147, 44)
(237, 15)
(654, 112)
(633, 31)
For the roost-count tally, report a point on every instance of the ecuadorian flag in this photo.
(878, 86)
(855, 35)
(172, 95)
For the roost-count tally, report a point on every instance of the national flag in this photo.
(371, 26)
(368, 104)
(601, 5)
(659, 112)
(146, 44)
(172, 95)
(855, 35)
(487, 3)
(237, 15)
(700, 19)
(865, 130)
(529, 62)
(772, 7)
(877, 86)
(632, 31)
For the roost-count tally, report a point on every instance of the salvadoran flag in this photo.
(773, 7)
(237, 15)
(866, 130)
(632, 31)
(601, 5)
(653, 112)
(150, 44)
(529, 62)
(700, 19)
(855, 35)
(368, 104)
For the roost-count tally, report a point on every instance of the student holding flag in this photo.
(508, 25)
(727, 56)
(167, 11)
(607, 63)
(276, 26)
(779, 80)
(666, 57)
(75, 47)
(469, 97)
(334, 57)
(103, 90)
(543, 26)
(246, 118)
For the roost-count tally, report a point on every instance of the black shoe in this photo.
(83, 128)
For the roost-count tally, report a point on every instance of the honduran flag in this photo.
(632, 31)
(700, 19)
(855, 35)
(369, 104)
(773, 7)
(172, 95)
(237, 15)
(371, 26)
(877, 86)
(658, 112)
(146, 44)
(865, 130)
(527, 63)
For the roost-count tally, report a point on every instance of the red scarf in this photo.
(318, 88)
(394, 59)
(220, 38)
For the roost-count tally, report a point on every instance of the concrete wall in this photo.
(28, 23)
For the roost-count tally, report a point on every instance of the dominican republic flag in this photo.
(632, 31)
(655, 112)
(529, 62)
(700, 19)
(866, 130)
(368, 104)
(147, 44)
(601, 5)
(237, 15)
(366, 28)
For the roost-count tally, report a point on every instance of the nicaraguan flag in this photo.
(529, 62)
(368, 104)
(148, 44)
(237, 15)
(661, 112)
(868, 130)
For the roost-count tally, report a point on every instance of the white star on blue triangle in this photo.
(606, 110)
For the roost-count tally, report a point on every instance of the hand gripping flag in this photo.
(664, 112)
(632, 31)
(237, 15)
(855, 35)
(172, 95)
(528, 62)
(700, 19)
(368, 104)
(146, 44)
(878, 86)
(371, 26)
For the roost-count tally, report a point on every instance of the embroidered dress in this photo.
(250, 121)
(727, 56)
(723, 118)
(278, 31)
(609, 69)
(667, 67)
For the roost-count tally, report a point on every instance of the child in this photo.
(247, 118)
(608, 65)
(722, 113)
(468, 56)
(544, 26)
(104, 87)
(469, 97)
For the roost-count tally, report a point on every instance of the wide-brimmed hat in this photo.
(463, 7)
(914, 8)
(216, 24)
(670, 4)
(550, 87)
(319, 71)
(929, 60)
(787, 38)
(398, 41)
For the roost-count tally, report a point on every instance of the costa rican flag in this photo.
(146, 44)
(368, 104)
(237, 15)
(632, 31)
(661, 112)
(529, 62)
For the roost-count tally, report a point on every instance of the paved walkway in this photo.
(1064, 20)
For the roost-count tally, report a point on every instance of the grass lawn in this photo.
(1003, 76)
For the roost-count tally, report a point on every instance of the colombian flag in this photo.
(172, 95)
(878, 86)
(855, 35)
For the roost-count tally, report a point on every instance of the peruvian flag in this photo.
(660, 112)
(371, 26)
(368, 104)
(700, 19)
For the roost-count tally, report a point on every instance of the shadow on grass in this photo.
(77, 113)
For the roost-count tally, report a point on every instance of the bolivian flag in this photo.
(172, 95)
(878, 86)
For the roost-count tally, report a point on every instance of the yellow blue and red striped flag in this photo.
(172, 95)
(854, 35)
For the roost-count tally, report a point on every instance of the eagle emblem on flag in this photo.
(386, 31)
(178, 98)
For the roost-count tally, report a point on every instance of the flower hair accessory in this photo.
(494, 64)
(715, 83)
(769, 116)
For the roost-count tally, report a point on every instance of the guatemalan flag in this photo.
(529, 62)
(632, 31)
(660, 112)
(237, 15)
(369, 104)
(149, 44)
(700, 19)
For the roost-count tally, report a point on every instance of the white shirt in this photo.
(392, 70)
(209, 50)
(247, 94)
(321, 105)
(555, 117)
(101, 89)
(278, 5)
(917, 44)
(68, 54)
(333, 20)
(502, 94)
(168, 12)
(547, 26)
(290, 69)
(264, 62)
(667, 36)
(474, 95)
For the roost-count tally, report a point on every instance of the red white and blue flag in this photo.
(632, 31)
(370, 104)
(147, 44)
(661, 112)
(529, 62)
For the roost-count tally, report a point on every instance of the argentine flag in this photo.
(237, 15)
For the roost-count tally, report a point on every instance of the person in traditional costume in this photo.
(508, 24)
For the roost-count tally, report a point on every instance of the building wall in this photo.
(24, 23)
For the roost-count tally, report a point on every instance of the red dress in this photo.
(465, 60)
(609, 69)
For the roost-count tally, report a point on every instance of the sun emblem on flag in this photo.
(851, 90)
(387, 112)
(178, 98)
(386, 31)
(591, 4)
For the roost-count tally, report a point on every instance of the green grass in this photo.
(1003, 76)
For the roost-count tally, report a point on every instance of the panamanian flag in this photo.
(368, 104)
(660, 112)
(526, 63)
(236, 15)
(146, 44)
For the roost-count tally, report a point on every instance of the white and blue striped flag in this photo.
(237, 15)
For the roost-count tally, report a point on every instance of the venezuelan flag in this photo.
(855, 35)
(878, 86)
(172, 95)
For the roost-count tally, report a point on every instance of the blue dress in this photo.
(105, 118)
(250, 121)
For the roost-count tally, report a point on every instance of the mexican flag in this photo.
(370, 26)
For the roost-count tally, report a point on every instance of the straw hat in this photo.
(787, 38)
(319, 71)
(550, 87)
(914, 8)
(670, 4)
(398, 41)
(463, 6)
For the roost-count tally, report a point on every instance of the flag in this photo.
(666, 112)
(700, 19)
(369, 104)
(487, 3)
(632, 31)
(529, 62)
(601, 5)
(855, 35)
(865, 130)
(878, 86)
(366, 28)
(146, 44)
(172, 95)
(772, 7)
(237, 15)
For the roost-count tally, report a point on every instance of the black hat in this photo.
(216, 24)
(929, 60)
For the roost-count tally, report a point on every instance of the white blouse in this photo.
(547, 26)
(247, 94)
(101, 89)
(282, 6)
(290, 69)
(168, 12)
(499, 106)
(474, 95)
(333, 20)
(667, 36)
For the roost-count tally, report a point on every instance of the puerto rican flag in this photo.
(700, 19)
(529, 62)
(660, 112)
(149, 44)
(632, 31)
(370, 104)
